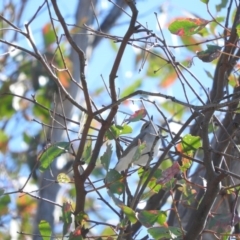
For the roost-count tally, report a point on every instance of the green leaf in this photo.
(3, 141)
(174, 108)
(189, 193)
(162, 217)
(81, 218)
(163, 232)
(117, 130)
(205, 1)
(106, 157)
(118, 202)
(66, 217)
(190, 143)
(149, 218)
(66, 212)
(153, 185)
(130, 89)
(238, 29)
(51, 153)
(4, 201)
(107, 231)
(87, 152)
(209, 74)
(45, 230)
(6, 109)
(187, 26)
(115, 182)
(126, 129)
(166, 164)
(38, 111)
(129, 213)
(27, 139)
(223, 4)
(114, 46)
(48, 35)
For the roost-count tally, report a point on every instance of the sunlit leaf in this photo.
(187, 26)
(107, 231)
(238, 29)
(132, 88)
(64, 78)
(129, 213)
(106, 157)
(191, 143)
(165, 164)
(205, 1)
(152, 183)
(45, 230)
(186, 164)
(63, 178)
(51, 153)
(114, 46)
(26, 205)
(125, 129)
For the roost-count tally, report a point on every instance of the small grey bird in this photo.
(148, 135)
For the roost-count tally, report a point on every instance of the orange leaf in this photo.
(168, 80)
(64, 78)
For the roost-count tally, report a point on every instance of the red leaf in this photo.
(169, 173)
(141, 113)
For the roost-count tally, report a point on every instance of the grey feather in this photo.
(147, 135)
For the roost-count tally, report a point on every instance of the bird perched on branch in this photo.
(142, 149)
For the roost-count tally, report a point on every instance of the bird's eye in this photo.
(145, 125)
